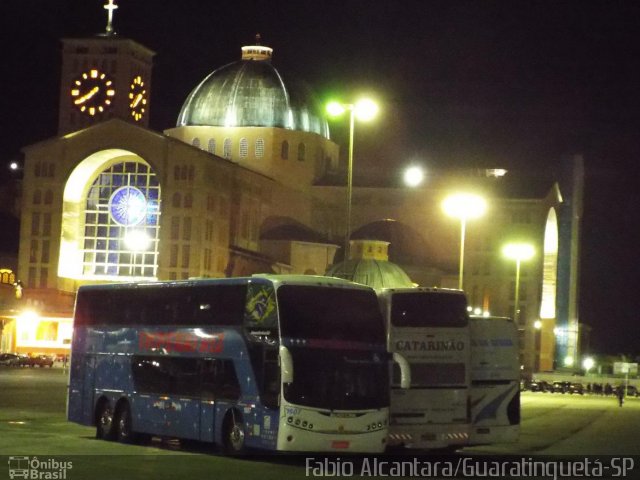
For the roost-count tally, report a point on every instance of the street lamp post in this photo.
(464, 206)
(365, 110)
(519, 252)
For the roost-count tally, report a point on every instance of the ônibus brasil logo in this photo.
(32, 468)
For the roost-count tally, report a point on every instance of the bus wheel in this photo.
(124, 434)
(233, 433)
(104, 421)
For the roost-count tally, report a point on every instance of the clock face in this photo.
(137, 98)
(92, 92)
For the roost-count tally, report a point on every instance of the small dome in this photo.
(374, 273)
(252, 93)
(407, 246)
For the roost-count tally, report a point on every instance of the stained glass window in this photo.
(122, 222)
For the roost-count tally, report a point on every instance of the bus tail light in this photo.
(340, 444)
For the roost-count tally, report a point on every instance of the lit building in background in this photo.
(249, 181)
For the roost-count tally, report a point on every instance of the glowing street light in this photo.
(464, 206)
(588, 363)
(363, 110)
(413, 176)
(137, 240)
(519, 252)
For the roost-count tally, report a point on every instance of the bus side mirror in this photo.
(286, 365)
(405, 370)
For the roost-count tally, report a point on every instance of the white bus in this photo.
(428, 335)
(495, 381)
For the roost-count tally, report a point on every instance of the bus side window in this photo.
(184, 376)
(150, 374)
(229, 385)
(208, 379)
(219, 380)
(219, 305)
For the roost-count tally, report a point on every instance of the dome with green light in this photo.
(369, 264)
(251, 93)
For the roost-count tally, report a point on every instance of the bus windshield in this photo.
(422, 309)
(330, 314)
(338, 379)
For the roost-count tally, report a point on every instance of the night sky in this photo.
(510, 84)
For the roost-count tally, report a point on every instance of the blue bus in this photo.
(287, 363)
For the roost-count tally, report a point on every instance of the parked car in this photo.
(632, 391)
(561, 387)
(40, 361)
(539, 386)
(576, 388)
(9, 359)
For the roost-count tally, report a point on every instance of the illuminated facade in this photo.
(239, 186)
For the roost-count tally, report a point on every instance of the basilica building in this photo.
(245, 182)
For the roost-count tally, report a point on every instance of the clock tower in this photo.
(103, 77)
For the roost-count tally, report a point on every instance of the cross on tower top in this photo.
(110, 7)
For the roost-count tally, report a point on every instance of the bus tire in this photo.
(104, 420)
(233, 433)
(123, 431)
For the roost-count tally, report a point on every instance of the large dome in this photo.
(251, 93)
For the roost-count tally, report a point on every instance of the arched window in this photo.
(37, 197)
(244, 148)
(301, 152)
(284, 151)
(121, 216)
(177, 200)
(188, 200)
(227, 148)
(259, 148)
(48, 197)
(211, 147)
(196, 142)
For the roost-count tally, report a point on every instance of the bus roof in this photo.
(276, 280)
(421, 289)
(490, 317)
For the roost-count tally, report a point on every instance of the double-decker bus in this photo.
(495, 380)
(288, 363)
(428, 335)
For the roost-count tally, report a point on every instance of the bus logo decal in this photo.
(180, 342)
(261, 305)
(441, 345)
